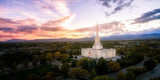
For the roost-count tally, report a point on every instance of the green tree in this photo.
(150, 64)
(65, 69)
(49, 56)
(56, 69)
(102, 78)
(57, 55)
(42, 58)
(85, 64)
(92, 74)
(70, 55)
(93, 65)
(155, 78)
(130, 76)
(121, 76)
(50, 76)
(2, 68)
(64, 57)
(137, 70)
(73, 63)
(157, 58)
(35, 60)
(14, 65)
(26, 62)
(33, 77)
(80, 62)
(79, 73)
(102, 66)
(114, 66)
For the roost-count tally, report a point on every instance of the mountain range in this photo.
(117, 37)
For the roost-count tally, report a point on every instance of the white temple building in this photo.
(97, 50)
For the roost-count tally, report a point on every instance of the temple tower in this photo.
(97, 43)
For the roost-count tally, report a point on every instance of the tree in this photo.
(155, 78)
(92, 74)
(56, 69)
(14, 65)
(70, 55)
(130, 76)
(102, 78)
(50, 76)
(49, 56)
(157, 58)
(42, 58)
(57, 55)
(137, 70)
(102, 66)
(64, 57)
(93, 65)
(35, 60)
(79, 73)
(150, 64)
(85, 64)
(73, 63)
(114, 66)
(80, 62)
(33, 77)
(65, 69)
(121, 76)
(26, 62)
(3, 68)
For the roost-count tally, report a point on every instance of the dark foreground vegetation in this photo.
(60, 60)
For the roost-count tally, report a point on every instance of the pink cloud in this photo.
(56, 22)
(26, 22)
(28, 29)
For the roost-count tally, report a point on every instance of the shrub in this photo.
(150, 64)
(121, 76)
(102, 78)
(157, 58)
(130, 75)
(79, 73)
(92, 74)
(137, 70)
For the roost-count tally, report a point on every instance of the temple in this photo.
(97, 50)
(97, 43)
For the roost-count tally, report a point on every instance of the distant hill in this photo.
(118, 37)
(132, 37)
(16, 40)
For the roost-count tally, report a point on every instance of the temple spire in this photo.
(97, 44)
(97, 39)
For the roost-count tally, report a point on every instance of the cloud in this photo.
(4, 20)
(26, 28)
(29, 25)
(57, 22)
(55, 7)
(106, 29)
(149, 16)
(115, 5)
(5, 36)
(16, 26)
(52, 28)
(118, 28)
(6, 29)
(85, 29)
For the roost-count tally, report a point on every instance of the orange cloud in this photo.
(28, 29)
(57, 22)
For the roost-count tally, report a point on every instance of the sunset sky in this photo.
(53, 19)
